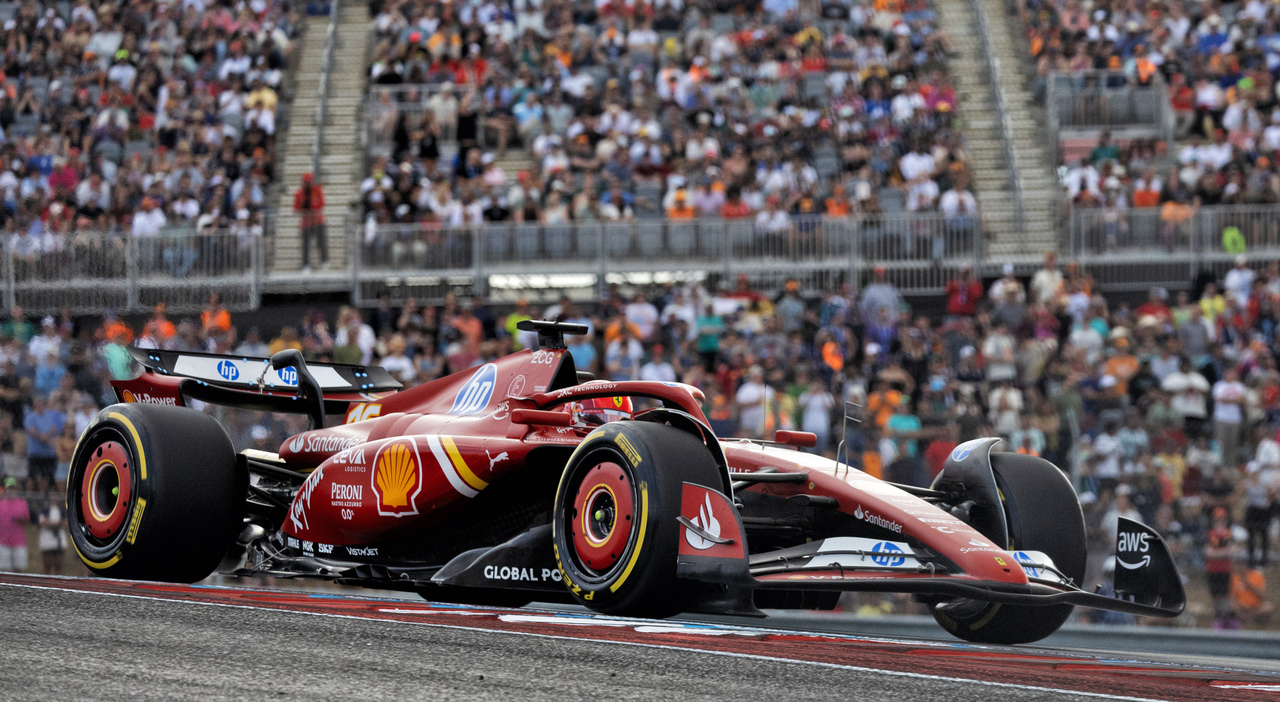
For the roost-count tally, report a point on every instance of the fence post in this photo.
(355, 246)
(10, 288)
(131, 272)
(601, 283)
(481, 284)
(853, 232)
(255, 274)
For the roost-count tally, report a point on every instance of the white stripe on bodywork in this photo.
(450, 472)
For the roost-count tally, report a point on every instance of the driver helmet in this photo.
(601, 410)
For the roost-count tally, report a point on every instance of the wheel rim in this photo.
(601, 520)
(105, 490)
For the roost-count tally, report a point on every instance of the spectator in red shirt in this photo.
(734, 207)
(964, 293)
(1218, 550)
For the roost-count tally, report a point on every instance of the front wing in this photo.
(1147, 582)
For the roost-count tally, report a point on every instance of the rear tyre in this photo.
(154, 493)
(1044, 515)
(614, 528)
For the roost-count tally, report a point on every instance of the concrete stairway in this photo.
(983, 132)
(340, 154)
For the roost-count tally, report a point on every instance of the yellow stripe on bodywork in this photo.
(635, 554)
(464, 471)
(96, 564)
(137, 442)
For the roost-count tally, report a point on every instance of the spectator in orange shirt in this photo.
(838, 204)
(680, 208)
(882, 402)
(1249, 595)
(469, 326)
(159, 328)
(1146, 192)
(215, 319)
(113, 329)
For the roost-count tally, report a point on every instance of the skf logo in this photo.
(397, 479)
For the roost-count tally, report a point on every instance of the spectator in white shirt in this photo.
(916, 163)
(149, 221)
(756, 402)
(1239, 281)
(1228, 415)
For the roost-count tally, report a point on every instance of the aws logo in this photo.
(397, 479)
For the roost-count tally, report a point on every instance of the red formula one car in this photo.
(523, 480)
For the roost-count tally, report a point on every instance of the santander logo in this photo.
(706, 520)
(877, 520)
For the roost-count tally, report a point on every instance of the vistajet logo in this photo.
(871, 518)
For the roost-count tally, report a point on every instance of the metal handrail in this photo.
(322, 105)
(1006, 128)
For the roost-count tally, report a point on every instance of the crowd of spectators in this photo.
(1165, 411)
(137, 118)
(772, 111)
(1218, 63)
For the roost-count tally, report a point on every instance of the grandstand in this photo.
(798, 187)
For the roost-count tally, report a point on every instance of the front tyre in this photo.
(1043, 514)
(154, 493)
(614, 528)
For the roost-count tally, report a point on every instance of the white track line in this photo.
(730, 654)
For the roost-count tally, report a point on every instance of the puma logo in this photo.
(495, 460)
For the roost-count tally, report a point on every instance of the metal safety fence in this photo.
(1171, 245)
(920, 251)
(1081, 105)
(96, 272)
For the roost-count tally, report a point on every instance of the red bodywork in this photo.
(408, 459)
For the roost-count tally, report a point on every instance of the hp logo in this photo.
(228, 370)
(886, 548)
(475, 395)
(289, 376)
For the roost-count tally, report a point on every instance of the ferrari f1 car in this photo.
(524, 480)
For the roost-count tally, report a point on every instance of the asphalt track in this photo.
(69, 638)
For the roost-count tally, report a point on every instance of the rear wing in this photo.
(247, 372)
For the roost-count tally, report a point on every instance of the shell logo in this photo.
(397, 479)
(128, 397)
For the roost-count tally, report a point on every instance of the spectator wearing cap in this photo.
(1238, 282)
(47, 341)
(149, 221)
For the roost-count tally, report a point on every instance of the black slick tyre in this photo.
(614, 525)
(1043, 514)
(154, 493)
